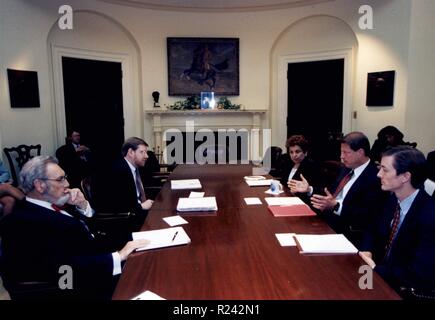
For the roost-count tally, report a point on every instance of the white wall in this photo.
(381, 49)
(25, 26)
(420, 114)
(23, 35)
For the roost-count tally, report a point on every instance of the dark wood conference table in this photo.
(234, 253)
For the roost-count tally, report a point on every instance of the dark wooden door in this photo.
(315, 104)
(93, 104)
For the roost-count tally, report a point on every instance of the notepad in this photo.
(259, 183)
(174, 220)
(162, 238)
(286, 239)
(283, 201)
(324, 244)
(253, 201)
(197, 204)
(298, 210)
(194, 194)
(254, 178)
(185, 184)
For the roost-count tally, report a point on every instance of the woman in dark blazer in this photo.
(296, 162)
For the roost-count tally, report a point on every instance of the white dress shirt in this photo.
(342, 195)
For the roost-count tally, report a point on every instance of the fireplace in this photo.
(210, 147)
(190, 123)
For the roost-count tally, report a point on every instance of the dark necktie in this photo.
(57, 208)
(393, 231)
(139, 187)
(342, 183)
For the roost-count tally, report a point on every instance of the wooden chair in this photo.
(330, 170)
(106, 224)
(18, 156)
(153, 175)
(158, 156)
(274, 153)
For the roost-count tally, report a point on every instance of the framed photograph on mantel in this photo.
(196, 65)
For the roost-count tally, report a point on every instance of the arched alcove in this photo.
(312, 38)
(96, 36)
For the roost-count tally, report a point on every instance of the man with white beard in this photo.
(41, 241)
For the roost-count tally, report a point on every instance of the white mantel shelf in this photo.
(213, 119)
(203, 112)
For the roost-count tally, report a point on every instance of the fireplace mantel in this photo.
(211, 119)
(203, 112)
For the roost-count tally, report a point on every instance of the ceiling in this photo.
(216, 5)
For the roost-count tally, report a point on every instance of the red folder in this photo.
(297, 210)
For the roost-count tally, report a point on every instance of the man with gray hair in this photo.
(40, 238)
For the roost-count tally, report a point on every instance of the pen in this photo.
(174, 236)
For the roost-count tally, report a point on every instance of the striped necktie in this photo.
(139, 187)
(393, 231)
(342, 183)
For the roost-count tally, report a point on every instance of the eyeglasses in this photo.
(59, 179)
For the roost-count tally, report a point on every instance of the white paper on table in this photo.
(194, 194)
(197, 204)
(283, 201)
(286, 239)
(174, 220)
(148, 295)
(258, 183)
(185, 184)
(254, 178)
(162, 238)
(325, 243)
(253, 201)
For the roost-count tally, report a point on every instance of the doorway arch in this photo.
(324, 38)
(86, 41)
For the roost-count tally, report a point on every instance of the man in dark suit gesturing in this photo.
(349, 205)
(402, 241)
(41, 236)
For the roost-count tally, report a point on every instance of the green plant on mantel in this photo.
(225, 103)
(193, 103)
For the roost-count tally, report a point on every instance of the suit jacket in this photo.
(308, 168)
(362, 203)
(411, 262)
(37, 241)
(116, 191)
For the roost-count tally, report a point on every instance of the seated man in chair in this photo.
(401, 244)
(74, 158)
(120, 189)
(41, 236)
